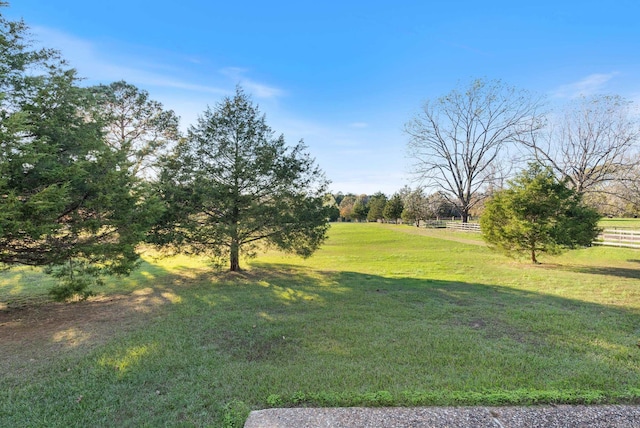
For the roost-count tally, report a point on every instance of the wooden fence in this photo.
(619, 238)
(609, 237)
(465, 227)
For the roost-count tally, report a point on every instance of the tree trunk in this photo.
(465, 216)
(234, 256)
(533, 255)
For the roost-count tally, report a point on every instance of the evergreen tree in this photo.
(231, 185)
(537, 213)
(332, 207)
(68, 202)
(393, 208)
(136, 125)
(360, 208)
(377, 202)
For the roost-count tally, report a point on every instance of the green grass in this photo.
(382, 315)
(620, 223)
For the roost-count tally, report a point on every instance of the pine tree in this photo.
(232, 184)
(67, 201)
(537, 213)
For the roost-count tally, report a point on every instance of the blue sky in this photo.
(343, 75)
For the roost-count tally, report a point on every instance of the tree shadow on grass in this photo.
(606, 271)
(284, 329)
(447, 331)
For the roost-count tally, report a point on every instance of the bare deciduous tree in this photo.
(457, 140)
(590, 143)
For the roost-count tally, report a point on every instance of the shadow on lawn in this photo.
(246, 314)
(335, 328)
(606, 271)
(287, 296)
(279, 296)
(283, 328)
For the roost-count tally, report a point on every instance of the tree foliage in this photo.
(231, 184)
(136, 125)
(332, 207)
(393, 208)
(537, 213)
(416, 207)
(67, 200)
(377, 201)
(21, 66)
(346, 206)
(458, 139)
(360, 208)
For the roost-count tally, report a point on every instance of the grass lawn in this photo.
(382, 315)
(620, 223)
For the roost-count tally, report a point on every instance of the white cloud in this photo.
(359, 125)
(97, 65)
(589, 85)
(259, 90)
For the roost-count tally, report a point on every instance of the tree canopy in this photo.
(377, 201)
(68, 201)
(232, 184)
(360, 208)
(346, 205)
(537, 213)
(591, 143)
(393, 208)
(416, 207)
(136, 125)
(458, 139)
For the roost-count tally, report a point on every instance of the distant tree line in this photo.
(409, 206)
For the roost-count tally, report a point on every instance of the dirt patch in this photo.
(477, 324)
(43, 331)
(493, 330)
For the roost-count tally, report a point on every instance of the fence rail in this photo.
(619, 238)
(609, 237)
(466, 227)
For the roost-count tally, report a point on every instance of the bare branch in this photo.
(457, 140)
(590, 143)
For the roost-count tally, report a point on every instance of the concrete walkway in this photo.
(613, 416)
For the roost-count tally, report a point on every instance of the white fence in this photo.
(619, 238)
(609, 237)
(466, 227)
